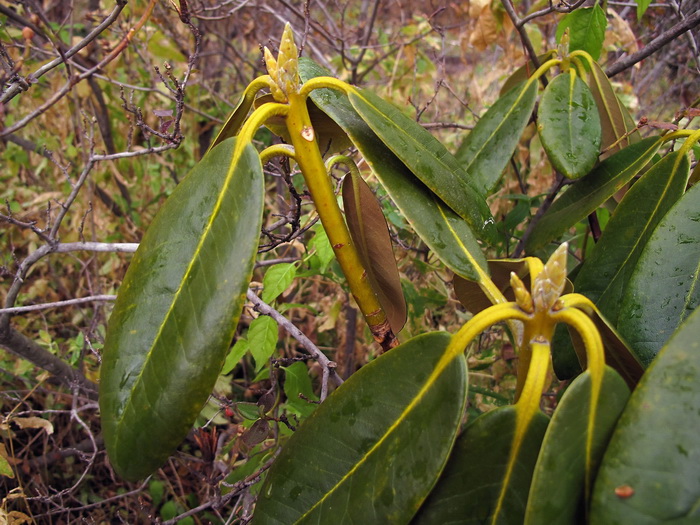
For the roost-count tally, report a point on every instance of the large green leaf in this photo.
(569, 125)
(177, 309)
(523, 73)
(487, 149)
(372, 451)
(665, 286)
(427, 159)
(606, 272)
(572, 448)
(649, 473)
(370, 234)
(474, 480)
(234, 121)
(446, 233)
(586, 195)
(586, 29)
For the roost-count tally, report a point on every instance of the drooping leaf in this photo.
(586, 195)
(569, 125)
(472, 484)
(277, 279)
(427, 159)
(523, 73)
(586, 29)
(177, 309)
(372, 451)
(665, 286)
(606, 272)
(487, 149)
(447, 234)
(649, 472)
(370, 234)
(234, 122)
(573, 446)
(262, 339)
(614, 117)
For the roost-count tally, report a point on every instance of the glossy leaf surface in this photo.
(557, 494)
(606, 272)
(469, 489)
(586, 195)
(234, 122)
(523, 73)
(177, 309)
(664, 290)
(654, 453)
(569, 125)
(427, 159)
(372, 451)
(487, 149)
(586, 29)
(445, 232)
(370, 234)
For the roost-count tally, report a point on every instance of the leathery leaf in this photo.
(372, 451)
(649, 473)
(177, 309)
(572, 448)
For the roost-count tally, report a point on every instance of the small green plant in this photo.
(388, 445)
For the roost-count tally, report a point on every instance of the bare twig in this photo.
(57, 304)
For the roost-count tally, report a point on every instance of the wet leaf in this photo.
(663, 289)
(569, 125)
(234, 122)
(654, 451)
(372, 451)
(370, 234)
(487, 149)
(177, 309)
(523, 73)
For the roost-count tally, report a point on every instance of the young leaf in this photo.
(235, 355)
(262, 339)
(558, 491)
(487, 149)
(586, 30)
(322, 246)
(569, 125)
(586, 195)
(177, 309)
(445, 232)
(426, 158)
(606, 272)
(642, 6)
(277, 279)
(370, 234)
(649, 473)
(472, 483)
(297, 381)
(664, 284)
(372, 451)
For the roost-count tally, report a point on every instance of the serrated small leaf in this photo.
(427, 159)
(604, 275)
(664, 290)
(558, 491)
(654, 453)
(177, 309)
(262, 339)
(235, 355)
(370, 235)
(569, 125)
(371, 452)
(488, 148)
(277, 279)
(586, 195)
(586, 29)
(322, 246)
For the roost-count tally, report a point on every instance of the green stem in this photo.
(310, 161)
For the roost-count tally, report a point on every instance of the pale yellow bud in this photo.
(522, 296)
(285, 70)
(549, 284)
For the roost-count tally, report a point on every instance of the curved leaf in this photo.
(523, 73)
(487, 149)
(586, 195)
(372, 451)
(557, 494)
(235, 120)
(606, 272)
(569, 125)
(649, 473)
(445, 232)
(177, 309)
(664, 290)
(426, 158)
(586, 29)
(471, 485)
(370, 234)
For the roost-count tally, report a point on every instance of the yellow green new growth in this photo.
(285, 70)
